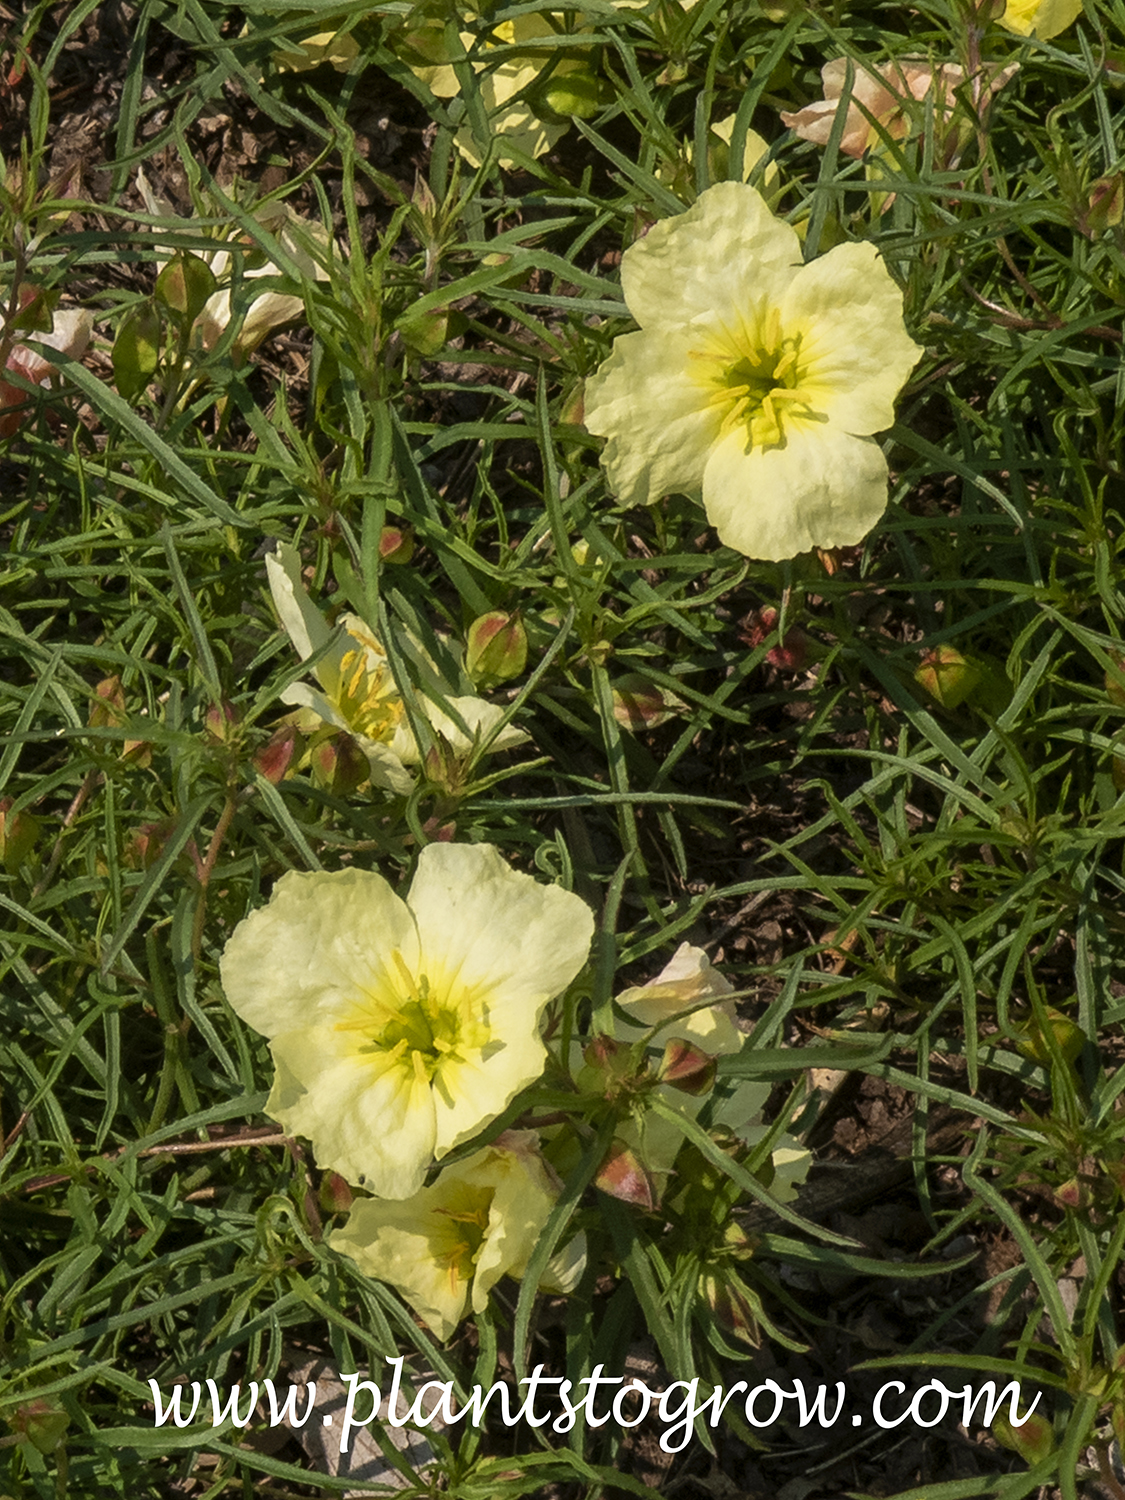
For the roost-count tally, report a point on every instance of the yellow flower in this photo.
(357, 691)
(1041, 18)
(400, 1028)
(446, 1247)
(755, 382)
(884, 96)
(689, 980)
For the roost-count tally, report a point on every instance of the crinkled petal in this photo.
(658, 419)
(387, 770)
(369, 1116)
(520, 943)
(474, 1090)
(724, 254)
(852, 381)
(823, 488)
(313, 948)
(389, 1242)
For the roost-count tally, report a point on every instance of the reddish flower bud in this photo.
(687, 1067)
(40, 1424)
(275, 757)
(947, 676)
(219, 720)
(396, 544)
(144, 847)
(623, 1175)
(339, 765)
(335, 1195)
(639, 704)
(496, 649)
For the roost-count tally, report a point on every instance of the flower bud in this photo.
(339, 765)
(687, 1067)
(219, 719)
(1032, 1043)
(145, 846)
(39, 1423)
(639, 704)
(1033, 1439)
(335, 1195)
(496, 649)
(396, 544)
(1105, 205)
(623, 1175)
(733, 1303)
(185, 285)
(574, 92)
(947, 676)
(1074, 1195)
(107, 709)
(275, 757)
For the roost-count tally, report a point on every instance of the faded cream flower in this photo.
(884, 95)
(686, 1003)
(1041, 18)
(400, 1028)
(755, 382)
(446, 1247)
(356, 689)
(296, 236)
(69, 334)
(690, 983)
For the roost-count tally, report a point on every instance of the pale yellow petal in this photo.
(390, 1242)
(724, 254)
(823, 488)
(855, 353)
(659, 421)
(303, 623)
(368, 1116)
(501, 932)
(480, 717)
(470, 1092)
(312, 948)
(1042, 18)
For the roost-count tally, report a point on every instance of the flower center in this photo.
(755, 375)
(458, 1235)
(367, 697)
(422, 1024)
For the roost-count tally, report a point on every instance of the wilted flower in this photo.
(755, 381)
(690, 984)
(294, 234)
(357, 691)
(446, 1247)
(1041, 18)
(881, 100)
(69, 334)
(399, 1028)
